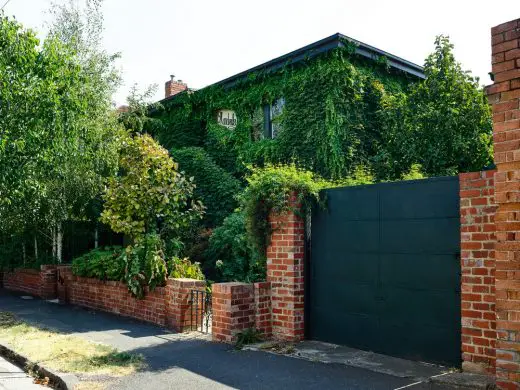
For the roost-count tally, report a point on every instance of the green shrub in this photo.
(101, 263)
(216, 188)
(184, 268)
(232, 254)
(144, 264)
(269, 190)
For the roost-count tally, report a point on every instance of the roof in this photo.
(322, 46)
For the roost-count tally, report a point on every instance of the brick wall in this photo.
(477, 210)
(166, 306)
(114, 297)
(233, 306)
(263, 319)
(504, 95)
(275, 307)
(40, 283)
(285, 273)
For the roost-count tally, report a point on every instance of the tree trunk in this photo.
(59, 243)
(35, 247)
(53, 234)
(96, 237)
(23, 253)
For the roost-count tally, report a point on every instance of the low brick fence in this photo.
(168, 306)
(41, 283)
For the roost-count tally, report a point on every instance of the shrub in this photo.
(150, 194)
(232, 253)
(144, 264)
(269, 190)
(101, 263)
(184, 268)
(216, 188)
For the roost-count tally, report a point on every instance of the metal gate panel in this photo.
(384, 269)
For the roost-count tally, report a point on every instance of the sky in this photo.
(205, 41)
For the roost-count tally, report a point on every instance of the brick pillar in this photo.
(178, 302)
(285, 272)
(233, 310)
(477, 212)
(504, 95)
(48, 281)
(63, 278)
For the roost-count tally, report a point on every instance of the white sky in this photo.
(204, 41)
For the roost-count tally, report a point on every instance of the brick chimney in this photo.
(173, 87)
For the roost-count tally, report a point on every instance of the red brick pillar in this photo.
(178, 302)
(233, 310)
(285, 273)
(48, 282)
(63, 282)
(504, 95)
(477, 212)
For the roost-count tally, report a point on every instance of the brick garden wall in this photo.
(165, 306)
(40, 283)
(477, 209)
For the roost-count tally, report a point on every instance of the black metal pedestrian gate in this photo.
(384, 269)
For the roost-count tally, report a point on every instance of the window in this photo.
(272, 118)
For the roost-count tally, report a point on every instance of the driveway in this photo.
(191, 361)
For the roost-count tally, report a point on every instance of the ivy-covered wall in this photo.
(331, 121)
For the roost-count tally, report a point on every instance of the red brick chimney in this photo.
(173, 87)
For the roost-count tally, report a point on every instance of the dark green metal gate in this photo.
(384, 269)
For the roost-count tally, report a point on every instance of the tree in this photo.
(59, 134)
(449, 118)
(150, 195)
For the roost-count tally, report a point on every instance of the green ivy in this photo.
(216, 188)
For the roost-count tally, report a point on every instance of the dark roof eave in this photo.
(316, 48)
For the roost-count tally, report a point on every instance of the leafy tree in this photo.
(59, 136)
(136, 118)
(449, 121)
(150, 195)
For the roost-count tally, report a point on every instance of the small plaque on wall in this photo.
(227, 118)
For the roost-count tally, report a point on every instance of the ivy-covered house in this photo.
(324, 105)
(338, 107)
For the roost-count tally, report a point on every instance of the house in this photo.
(282, 109)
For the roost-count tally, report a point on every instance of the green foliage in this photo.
(248, 336)
(341, 112)
(184, 268)
(215, 187)
(149, 195)
(233, 254)
(58, 135)
(450, 118)
(414, 173)
(145, 265)
(101, 263)
(135, 118)
(270, 190)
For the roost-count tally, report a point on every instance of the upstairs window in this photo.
(272, 118)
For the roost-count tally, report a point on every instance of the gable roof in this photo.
(322, 46)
